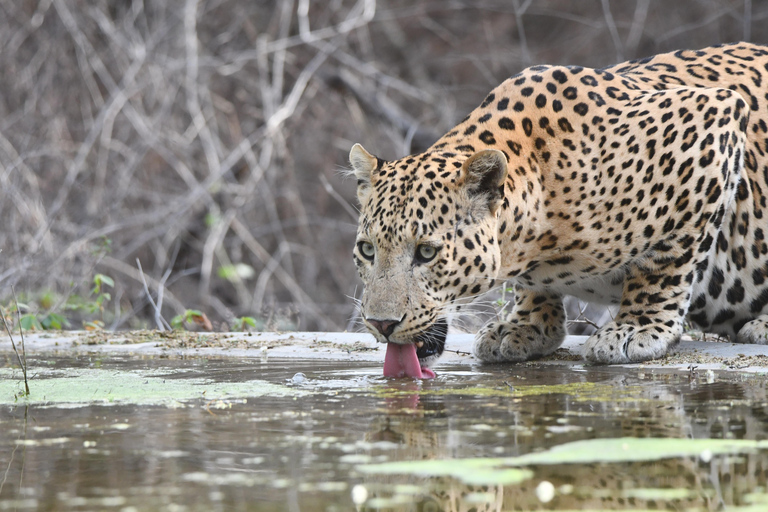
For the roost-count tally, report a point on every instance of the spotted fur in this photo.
(641, 185)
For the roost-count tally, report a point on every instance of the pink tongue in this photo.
(401, 361)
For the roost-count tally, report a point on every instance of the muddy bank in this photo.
(703, 355)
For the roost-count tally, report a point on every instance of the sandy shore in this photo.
(356, 347)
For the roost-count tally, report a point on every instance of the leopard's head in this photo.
(426, 238)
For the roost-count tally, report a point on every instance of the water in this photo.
(195, 434)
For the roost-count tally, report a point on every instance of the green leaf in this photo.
(177, 322)
(190, 314)
(102, 279)
(30, 322)
(53, 321)
(211, 219)
(236, 272)
(239, 324)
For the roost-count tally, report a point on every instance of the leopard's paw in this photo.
(501, 341)
(754, 332)
(614, 344)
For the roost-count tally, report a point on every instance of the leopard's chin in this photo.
(431, 343)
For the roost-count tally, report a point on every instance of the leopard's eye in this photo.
(425, 253)
(366, 250)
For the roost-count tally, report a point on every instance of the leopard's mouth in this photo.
(412, 359)
(431, 343)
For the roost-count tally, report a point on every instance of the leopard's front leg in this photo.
(659, 281)
(650, 318)
(536, 328)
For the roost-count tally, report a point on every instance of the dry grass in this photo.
(194, 135)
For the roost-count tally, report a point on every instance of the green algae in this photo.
(142, 387)
(388, 391)
(580, 391)
(585, 391)
(489, 471)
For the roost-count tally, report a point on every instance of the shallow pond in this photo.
(132, 434)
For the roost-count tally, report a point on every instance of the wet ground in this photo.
(128, 433)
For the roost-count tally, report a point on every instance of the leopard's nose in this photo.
(385, 327)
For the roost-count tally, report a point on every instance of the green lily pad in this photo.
(502, 471)
(468, 471)
(632, 449)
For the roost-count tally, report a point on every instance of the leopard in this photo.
(642, 185)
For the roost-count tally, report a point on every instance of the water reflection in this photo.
(302, 450)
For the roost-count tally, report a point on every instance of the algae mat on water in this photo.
(579, 391)
(87, 386)
(614, 450)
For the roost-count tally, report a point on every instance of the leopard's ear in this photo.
(363, 164)
(484, 174)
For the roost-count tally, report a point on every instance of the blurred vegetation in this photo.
(188, 151)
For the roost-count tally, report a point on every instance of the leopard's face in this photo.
(426, 238)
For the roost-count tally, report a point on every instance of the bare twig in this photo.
(582, 318)
(258, 250)
(460, 352)
(162, 325)
(353, 213)
(161, 294)
(636, 30)
(23, 356)
(613, 30)
(519, 12)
